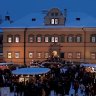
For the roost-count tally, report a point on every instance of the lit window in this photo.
(56, 39)
(52, 39)
(17, 55)
(10, 39)
(39, 55)
(30, 55)
(31, 38)
(39, 39)
(56, 21)
(78, 55)
(52, 21)
(78, 39)
(9, 55)
(46, 39)
(70, 39)
(17, 39)
(46, 55)
(70, 55)
(93, 55)
(93, 39)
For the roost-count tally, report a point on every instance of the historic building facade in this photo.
(22, 45)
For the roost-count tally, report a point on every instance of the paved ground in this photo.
(52, 93)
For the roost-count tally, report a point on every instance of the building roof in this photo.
(1, 30)
(73, 19)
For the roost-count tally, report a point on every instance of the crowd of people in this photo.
(57, 81)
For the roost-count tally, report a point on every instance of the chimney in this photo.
(7, 17)
(65, 15)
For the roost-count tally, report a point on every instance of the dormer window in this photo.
(54, 17)
(54, 21)
(56, 14)
(52, 14)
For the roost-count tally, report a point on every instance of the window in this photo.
(62, 38)
(54, 21)
(52, 14)
(78, 38)
(56, 14)
(17, 39)
(70, 39)
(39, 38)
(39, 54)
(54, 17)
(78, 55)
(17, 55)
(93, 38)
(46, 39)
(70, 55)
(10, 39)
(54, 39)
(9, 55)
(46, 55)
(93, 55)
(30, 54)
(31, 38)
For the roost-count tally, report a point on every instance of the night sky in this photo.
(20, 8)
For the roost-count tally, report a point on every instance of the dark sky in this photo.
(20, 8)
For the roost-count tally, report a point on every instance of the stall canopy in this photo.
(88, 65)
(30, 71)
(4, 64)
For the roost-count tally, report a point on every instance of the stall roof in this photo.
(31, 71)
(85, 20)
(4, 64)
(88, 65)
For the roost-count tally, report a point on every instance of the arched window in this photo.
(54, 17)
(17, 38)
(70, 38)
(47, 38)
(39, 38)
(78, 38)
(93, 38)
(62, 38)
(31, 38)
(55, 38)
(10, 38)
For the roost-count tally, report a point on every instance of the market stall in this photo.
(89, 67)
(25, 74)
